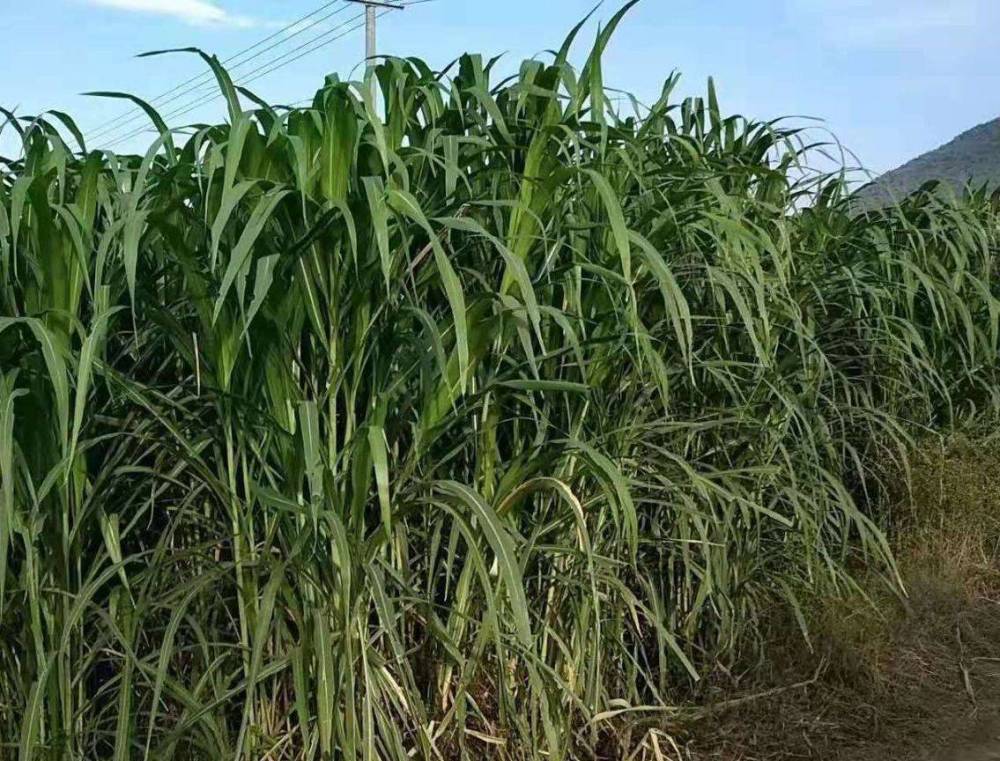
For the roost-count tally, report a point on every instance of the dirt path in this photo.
(982, 744)
(939, 701)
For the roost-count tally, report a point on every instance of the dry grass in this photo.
(901, 677)
(949, 529)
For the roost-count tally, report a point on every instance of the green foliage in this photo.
(458, 424)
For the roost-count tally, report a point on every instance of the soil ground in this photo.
(903, 678)
(983, 745)
(936, 700)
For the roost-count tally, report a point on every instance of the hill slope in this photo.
(972, 156)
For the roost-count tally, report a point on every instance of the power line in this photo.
(286, 33)
(276, 63)
(203, 93)
(260, 72)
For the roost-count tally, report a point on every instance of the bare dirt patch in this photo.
(914, 678)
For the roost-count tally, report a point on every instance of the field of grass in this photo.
(478, 422)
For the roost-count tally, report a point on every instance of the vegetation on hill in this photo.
(971, 159)
(478, 422)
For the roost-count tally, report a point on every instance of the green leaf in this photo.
(405, 204)
(239, 257)
(500, 541)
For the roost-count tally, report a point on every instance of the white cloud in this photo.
(201, 12)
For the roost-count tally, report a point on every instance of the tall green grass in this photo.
(482, 420)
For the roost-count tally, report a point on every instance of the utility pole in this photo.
(371, 43)
(371, 39)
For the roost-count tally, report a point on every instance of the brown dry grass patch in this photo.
(902, 677)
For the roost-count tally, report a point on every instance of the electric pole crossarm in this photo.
(377, 4)
(371, 49)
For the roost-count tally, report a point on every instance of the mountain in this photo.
(973, 156)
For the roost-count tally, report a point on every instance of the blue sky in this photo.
(891, 78)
